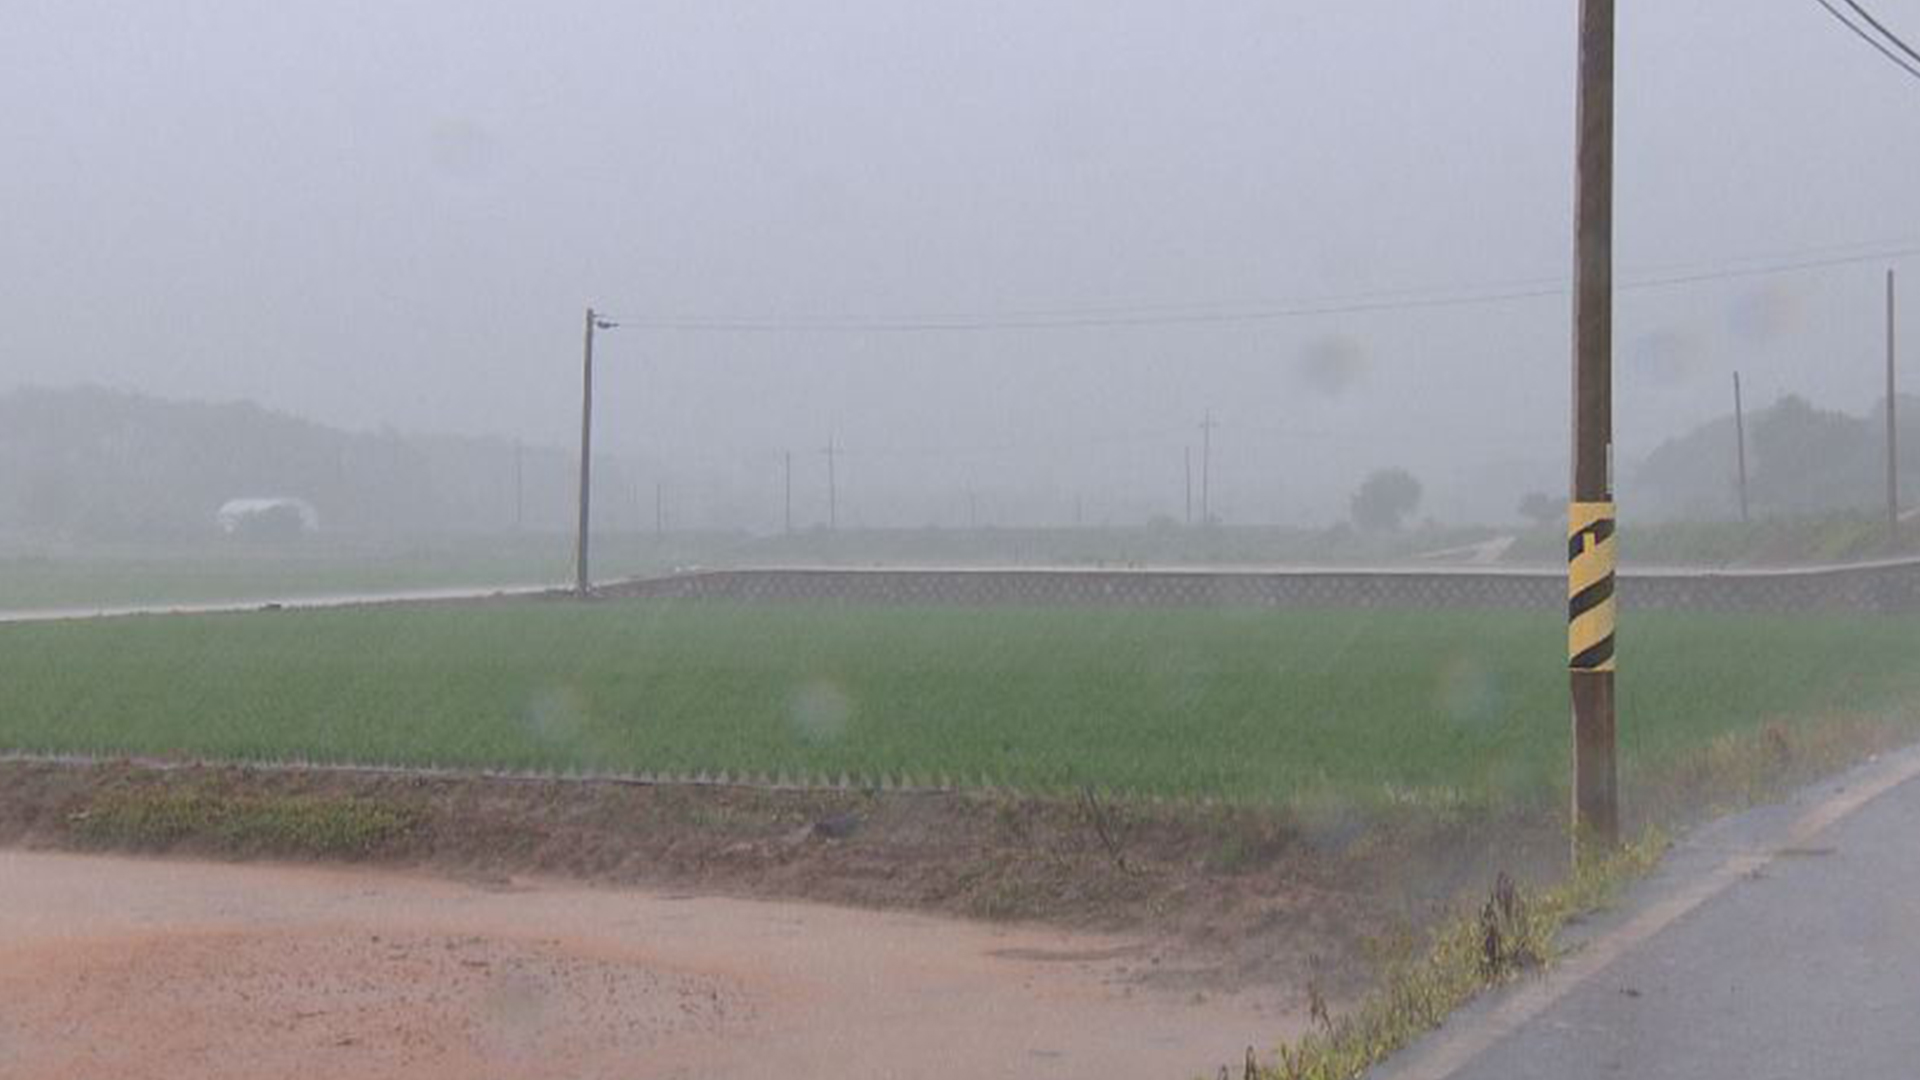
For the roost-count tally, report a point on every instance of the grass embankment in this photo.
(1302, 708)
(1514, 933)
(1816, 540)
(60, 576)
(216, 569)
(1164, 544)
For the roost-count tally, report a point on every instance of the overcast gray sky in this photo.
(393, 213)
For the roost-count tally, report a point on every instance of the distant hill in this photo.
(1801, 460)
(103, 464)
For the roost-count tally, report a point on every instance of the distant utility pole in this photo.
(519, 487)
(1740, 441)
(1206, 468)
(582, 583)
(788, 517)
(833, 490)
(1186, 458)
(659, 508)
(1893, 429)
(1591, 523)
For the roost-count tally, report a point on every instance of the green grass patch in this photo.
(1308, 708)
(1773, 541)
(1515, 932)
(158, 819)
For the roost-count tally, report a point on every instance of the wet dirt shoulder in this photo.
(1230, 897)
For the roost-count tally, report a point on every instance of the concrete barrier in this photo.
(1892, 586)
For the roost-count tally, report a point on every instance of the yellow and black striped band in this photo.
(1590, 574)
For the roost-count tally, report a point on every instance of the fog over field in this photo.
(392, 215)
(1092, 565)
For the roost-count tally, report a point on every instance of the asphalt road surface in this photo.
(1780, 943)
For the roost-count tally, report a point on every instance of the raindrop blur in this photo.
(1331, 365)
(557, 716)
(819, 711)
(1765, 314)
(1468, 693)
(1667, 356)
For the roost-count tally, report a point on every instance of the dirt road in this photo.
(123, 968)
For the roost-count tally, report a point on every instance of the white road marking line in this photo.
(1460, 1048)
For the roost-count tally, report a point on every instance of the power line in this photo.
(1518, 288)
(1121, 317)
(1132, 437)
(1173, 315)
(1763, 271)
(1162, 436)
(1868, 249)
(1884, 32)
(1863, 35)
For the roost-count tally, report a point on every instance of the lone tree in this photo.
(1541, 508)
(1384, 498)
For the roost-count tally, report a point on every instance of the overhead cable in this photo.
(1220, 314)
(1867, 36)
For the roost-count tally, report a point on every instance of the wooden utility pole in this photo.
(1740, 441)
(1591, 524)
(582, 583)
(519, 487)
(1186, 458)
(1893, 429)
(833, 490)
(1206, 468)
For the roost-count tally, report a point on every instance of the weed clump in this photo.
(1512, 933)
(150, 820)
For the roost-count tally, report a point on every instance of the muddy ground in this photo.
(440, 926)
(133, 968)
(1227, 898)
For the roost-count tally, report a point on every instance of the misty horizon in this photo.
(392, 218)
(484, 483)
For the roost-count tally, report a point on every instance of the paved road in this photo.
(1782, 943)
(201, 607)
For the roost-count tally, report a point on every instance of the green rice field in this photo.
(1244, 705)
